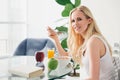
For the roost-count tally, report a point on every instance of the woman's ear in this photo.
(90, 20)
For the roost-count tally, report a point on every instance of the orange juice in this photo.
(50, 53)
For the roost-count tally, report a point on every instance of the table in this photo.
(6, 63)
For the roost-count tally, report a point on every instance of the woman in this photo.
(87, 45)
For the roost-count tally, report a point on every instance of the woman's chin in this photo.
(77, 32)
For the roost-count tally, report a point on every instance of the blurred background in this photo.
(20, 19)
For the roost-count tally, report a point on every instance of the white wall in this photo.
(44, 12)
(107, 15)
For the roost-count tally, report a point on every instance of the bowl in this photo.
(63, 61)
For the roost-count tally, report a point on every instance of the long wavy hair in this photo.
(76, 43)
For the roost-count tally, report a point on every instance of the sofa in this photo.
(30, 45)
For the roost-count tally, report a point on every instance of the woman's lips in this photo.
(77, 28)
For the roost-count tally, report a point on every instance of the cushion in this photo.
(116, 63)
(30, 45)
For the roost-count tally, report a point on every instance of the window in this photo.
(13, 24)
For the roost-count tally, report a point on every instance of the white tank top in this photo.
(106, 65)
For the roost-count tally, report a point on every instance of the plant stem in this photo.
(74, 71)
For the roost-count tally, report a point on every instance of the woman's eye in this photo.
(73, 21)
(79, 19)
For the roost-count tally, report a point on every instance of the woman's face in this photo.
(79, 22)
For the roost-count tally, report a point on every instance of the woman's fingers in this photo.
(51, 32)
(48, 28)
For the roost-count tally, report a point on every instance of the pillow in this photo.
(116, 63)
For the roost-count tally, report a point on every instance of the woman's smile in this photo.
(77, 29)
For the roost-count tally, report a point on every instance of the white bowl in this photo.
(62, 68)
(63, 61)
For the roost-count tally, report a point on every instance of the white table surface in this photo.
(6, 63)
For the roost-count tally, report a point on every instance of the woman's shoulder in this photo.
(95, 40)
(95, 44)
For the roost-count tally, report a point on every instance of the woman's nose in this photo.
(76, 23)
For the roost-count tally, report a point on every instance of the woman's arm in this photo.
(52, 34)
(93, 52)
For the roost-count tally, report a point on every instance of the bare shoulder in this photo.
(94, 41)
(95, 45)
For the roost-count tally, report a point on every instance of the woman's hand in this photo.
(51, 33)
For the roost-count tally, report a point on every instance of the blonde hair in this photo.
(76, 43)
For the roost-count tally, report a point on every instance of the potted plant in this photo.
(75, 67)
(62, 30)
(68, 6)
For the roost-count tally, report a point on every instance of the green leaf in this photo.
(77, 66)
(65, 13)
(77, 3)
(63, 2)
(67, 9)
(62, 29)
(64, 43)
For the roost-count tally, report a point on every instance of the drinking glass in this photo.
(50, 52)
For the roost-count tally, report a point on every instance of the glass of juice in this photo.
(50, 52)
